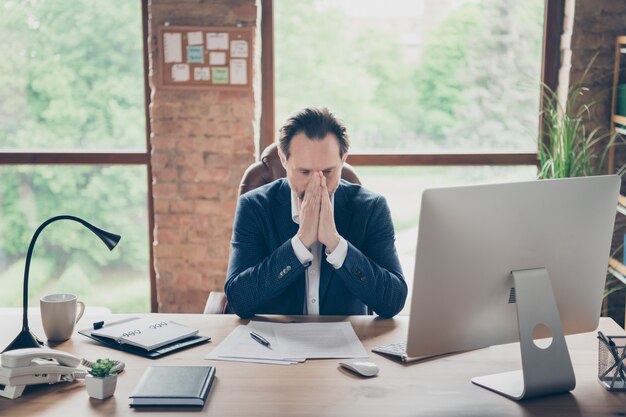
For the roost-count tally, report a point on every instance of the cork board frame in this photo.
(217, 58)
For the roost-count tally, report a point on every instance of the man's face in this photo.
(307, 156)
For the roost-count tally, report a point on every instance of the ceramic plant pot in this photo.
(100, 388)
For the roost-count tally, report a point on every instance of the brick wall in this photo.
(202, 141)
(597, 24)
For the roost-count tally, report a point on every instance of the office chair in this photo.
(262, 172)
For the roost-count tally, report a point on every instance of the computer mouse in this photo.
(361, 367)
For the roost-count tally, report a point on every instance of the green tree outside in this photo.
(476, 85)
(74, 81)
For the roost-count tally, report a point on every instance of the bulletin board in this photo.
(205, 57)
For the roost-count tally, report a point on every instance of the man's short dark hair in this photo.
(315, 123)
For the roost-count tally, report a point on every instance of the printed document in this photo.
(289, 343)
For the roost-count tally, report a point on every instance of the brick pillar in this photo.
(202, 141)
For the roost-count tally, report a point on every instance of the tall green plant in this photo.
(567, 147)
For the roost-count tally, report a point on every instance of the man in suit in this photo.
(313, 243)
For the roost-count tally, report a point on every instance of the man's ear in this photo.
(283, 158)
(343, 159)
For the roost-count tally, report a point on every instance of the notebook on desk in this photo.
(147, 334)
(173, 386)
(153, 345)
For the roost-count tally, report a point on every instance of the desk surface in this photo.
(438, 387)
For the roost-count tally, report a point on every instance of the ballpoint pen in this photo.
(259, 339)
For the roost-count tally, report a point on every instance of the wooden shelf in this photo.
(616, 118)
(617, 269)
(621, 204)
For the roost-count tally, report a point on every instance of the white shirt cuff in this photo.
(337, 256)
(302, 253)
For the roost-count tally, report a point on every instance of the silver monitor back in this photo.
(470, 238)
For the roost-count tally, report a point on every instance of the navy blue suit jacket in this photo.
(266, 277)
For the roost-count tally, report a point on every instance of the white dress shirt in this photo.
(304, 255)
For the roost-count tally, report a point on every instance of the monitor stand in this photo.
(544, 371)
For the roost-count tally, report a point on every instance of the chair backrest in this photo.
(269, 169)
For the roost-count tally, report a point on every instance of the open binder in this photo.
(152, 354)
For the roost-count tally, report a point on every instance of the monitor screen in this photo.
(471, 238)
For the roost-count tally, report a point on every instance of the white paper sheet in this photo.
(217, 41)
(319, 340)
(289, 343)
(194, 38)
(239, 49)
(180, 72)
(263, 361)
(173, 51)
(238, 71)
(240, 347)
(201, 74)
(217, 58)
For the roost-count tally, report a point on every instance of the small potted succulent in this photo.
(102, 378)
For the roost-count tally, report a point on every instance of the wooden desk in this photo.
(439, 387)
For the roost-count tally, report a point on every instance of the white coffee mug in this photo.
(58, 315)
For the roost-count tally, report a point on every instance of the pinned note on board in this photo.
(180, 72)
(217, 58)
(238, 71)
(194, 38)
(201, 74)
(239, 49)
(217, 41)
(195, 54)
(172, 47)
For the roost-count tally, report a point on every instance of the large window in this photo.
(411, 75)
(73, 141)
(434, 92)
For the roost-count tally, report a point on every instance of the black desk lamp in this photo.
(26, 339)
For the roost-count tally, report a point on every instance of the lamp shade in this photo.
(26, 339)
(109, 239)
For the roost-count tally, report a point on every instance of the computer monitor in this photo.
(491, 255)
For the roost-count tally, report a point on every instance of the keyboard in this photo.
(398, 351)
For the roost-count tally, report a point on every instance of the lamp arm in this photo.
(30, 254)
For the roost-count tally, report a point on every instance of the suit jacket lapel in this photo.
(285, 226)
(342, 223)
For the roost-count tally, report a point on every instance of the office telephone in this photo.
(22, 367)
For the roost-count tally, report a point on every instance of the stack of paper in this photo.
(289, 343)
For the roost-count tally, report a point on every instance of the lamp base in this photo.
(24, 340)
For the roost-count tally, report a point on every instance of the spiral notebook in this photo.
(146, 337)
(147, 334)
